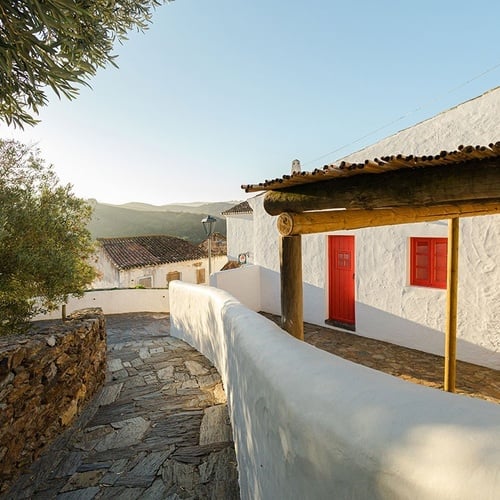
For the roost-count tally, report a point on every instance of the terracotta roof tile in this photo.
(139, 251)
(241, 208)
(219, 244)
(231, 264)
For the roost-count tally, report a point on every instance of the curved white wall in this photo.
(308, 424)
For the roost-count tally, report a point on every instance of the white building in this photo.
(151, 262)
(240, 235)
(388, 282)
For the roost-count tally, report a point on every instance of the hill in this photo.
(194, 208)
(109, 221)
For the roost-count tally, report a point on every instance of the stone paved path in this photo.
(159, 429)
(409, 364)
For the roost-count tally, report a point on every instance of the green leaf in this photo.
(59, 44)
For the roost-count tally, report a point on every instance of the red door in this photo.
(341, 280)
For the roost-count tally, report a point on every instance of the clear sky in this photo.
(227, 92)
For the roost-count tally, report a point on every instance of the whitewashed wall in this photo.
(266, 252)
(111, 277)
(476, 121)
(473, 122)
(218, 262)
(243, 283)
(117, 302)
(308, 424)
(387, 307)
(108, 273)
(240, 237)
(266, 243)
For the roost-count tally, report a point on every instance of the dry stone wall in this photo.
(46, 377)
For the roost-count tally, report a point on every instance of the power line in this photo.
(419, 108)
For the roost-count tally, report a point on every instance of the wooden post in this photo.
(451, 306)
(291, 285)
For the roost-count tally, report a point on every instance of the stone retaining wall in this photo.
(46, 377)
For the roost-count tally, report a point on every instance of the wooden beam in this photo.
(450, 356)
(425, 186)
(291, 286)
(334, 220)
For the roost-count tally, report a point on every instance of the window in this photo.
(173, 275)
(200, 275)
(146, 282)
(344, 260)
(428, 257)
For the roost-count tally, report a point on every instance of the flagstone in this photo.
(140, 437)
(81, 480)
(215, 426)
(195, 368)
(165, 373)
(109, 393)
(115, 364)
(144, 353)
(82, 494)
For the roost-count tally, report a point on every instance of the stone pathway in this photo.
(409, 364)
(159, 429)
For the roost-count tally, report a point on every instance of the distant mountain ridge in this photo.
(139, 219)
(213, 208)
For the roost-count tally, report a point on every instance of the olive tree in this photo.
(45, 247)
(58, 44)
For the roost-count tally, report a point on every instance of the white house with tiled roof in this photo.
(149, 262)
(394, 276)
(218, 245)
(239, 230)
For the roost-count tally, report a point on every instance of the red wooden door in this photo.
(341, 279)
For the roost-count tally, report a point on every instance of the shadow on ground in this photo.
(409, 364)
(158, 429)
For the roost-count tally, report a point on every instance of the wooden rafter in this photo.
(379, 165)
(470, 181)
(335, 220)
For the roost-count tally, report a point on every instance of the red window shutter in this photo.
(440, 261)
(428, 257)
(421, 253)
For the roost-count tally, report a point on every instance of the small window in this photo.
(428, 261)
(146, 282)
(200, 276)
(344, 260)
(172, 276)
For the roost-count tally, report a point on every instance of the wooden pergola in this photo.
(386, 191)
